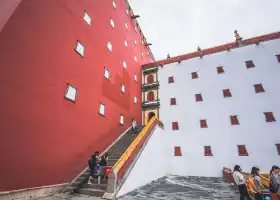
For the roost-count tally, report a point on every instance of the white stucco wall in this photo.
(152, 163)
(259, 136)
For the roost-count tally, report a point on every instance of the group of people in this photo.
(97, 166)
(254, 182)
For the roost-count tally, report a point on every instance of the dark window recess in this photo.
(151, 96)
(220, 70)
(150, 79)
(234, 120)
(198, 97)
(227, 93)
(278, 148)
(249, 64)
(171, 79)
(175, 126)
(203, 123)
(207, 151)
(173, 101)
(269, 117)
(259, 88)
(177, 151)
(278, 57)
(242, 151)
(194, 75)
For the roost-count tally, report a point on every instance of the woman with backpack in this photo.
(274, 184)
(256, 184)
(241, 183)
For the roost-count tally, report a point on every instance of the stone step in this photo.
(91, 192)
(95, 186)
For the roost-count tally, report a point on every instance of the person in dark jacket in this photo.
(274, 184)
(104, 160)
(92, 163)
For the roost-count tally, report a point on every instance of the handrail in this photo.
(132, 146)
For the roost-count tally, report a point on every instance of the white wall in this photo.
(259, 136)
(152, 163)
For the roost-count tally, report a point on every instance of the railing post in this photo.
(111, 185)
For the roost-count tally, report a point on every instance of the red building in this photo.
(70, 84)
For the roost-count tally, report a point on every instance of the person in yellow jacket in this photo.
(254, 184)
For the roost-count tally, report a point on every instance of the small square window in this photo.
(203, 123)
(109, 46)
(198, 97)
(136, 29)
(249, 64)
(102, 109)
(269, 117)
(177, 151)
(80, 49)
(278, 148)
(142, 41)
(227, 93)
(142, 55)
(171, 79)
(259, 88)
(242, 151)
(175, 126)
(114, 5)
(125, 44)
(135, 100)
(234, 120)
(194, 75)
(135, 58)
(87, 18)
(173, 101)
(278, 58)
(121, 119)
(220, 70)
(207, 151)
(123, 88)
(135, 42)
(124, 64)
(106, 73)
(112, 23)
(135, 77)
(126, 26)
(127, 12)
(71, 93)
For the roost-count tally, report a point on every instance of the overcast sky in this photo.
(179, 26)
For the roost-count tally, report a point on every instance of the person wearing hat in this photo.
(241, 183)
(274, 184)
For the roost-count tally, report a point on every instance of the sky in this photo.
(179, 26)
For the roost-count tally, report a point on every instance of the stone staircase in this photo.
(81, 185)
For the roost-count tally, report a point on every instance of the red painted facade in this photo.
(46, 139)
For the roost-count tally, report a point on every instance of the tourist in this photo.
(240, 182)
(92, 163)
(134, 126)
(256, 183)
(274, 184)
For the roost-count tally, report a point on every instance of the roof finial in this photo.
(168, 56)
(237, 37)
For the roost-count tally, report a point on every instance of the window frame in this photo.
(114, 4)
(135, 100)
(208, 151)
(173, 101)
(110, 46)
(175, 126)
(220, 70)
(85, 18)
(249, 64)
(227, 93)
(203, 123)
(278, 148)
(106, 70)
(259, 88)
(104, 106)
(81, 45)
(198, 97)
(112, 23)
(171, 79)
(177, 151)
(67, 89)
(123, 88)
(234, 120)
(269, 117)
(194, 75)
(121, 120)
(240, 148)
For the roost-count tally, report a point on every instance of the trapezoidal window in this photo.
(125, 25)
(175, 126)
(124, 65)
(123, 88)
(220, 70)
(269, 117)
(80, 49)
(121, 119)
(102, 109)
(242, 151)
(135, 58)
(106, 73)
(207, 151)
(171, 79)
(278, 148)
(203, 123)
(278, 58)
(87, 18)
(114, 4)
(112, 23)
(109, 46)
(172, 101)
(198, 97)
(142, 55)
(194, 75)
(234, 120)
(150, 79)
(135, 100)
(227, 93)
(71, 93)
(125, 44)
(150, 96)
(177, 151)
(259, 88)
(249, 64)
(135, 77)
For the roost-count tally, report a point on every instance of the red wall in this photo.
(44, 138)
